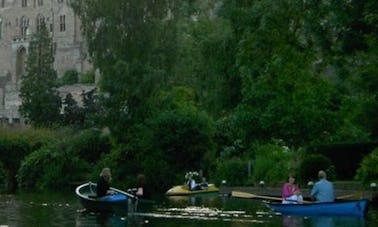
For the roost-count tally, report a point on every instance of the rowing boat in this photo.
(117, 201)
(184, 190)
(342, 208)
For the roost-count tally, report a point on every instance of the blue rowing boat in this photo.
(117, 201)
(339, 208)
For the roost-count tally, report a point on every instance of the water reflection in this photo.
(103, 219)
(322, 221)
(210, 210)
(292, 221)
(337, 221)
(202, 214)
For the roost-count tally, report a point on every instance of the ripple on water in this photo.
(203, 213)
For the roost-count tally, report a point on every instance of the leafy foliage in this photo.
(61, 162)
(15, 145)
(301, 72)
(88, 77)
(70, 77)
(234, 171)
(40, 100)
(368, 171)
(72, 113)
(311, 165)
(273, 163)
(132, 68)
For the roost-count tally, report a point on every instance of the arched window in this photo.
(1, 28)
(40, 21)
(20, 63)
(24, 3)
(24, 25)
(40, 2)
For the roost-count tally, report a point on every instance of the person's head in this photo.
(141, 179)
(291, 179)
(322, 174)
(106, 174)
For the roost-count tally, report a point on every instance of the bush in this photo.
(311, 165)
(234, 171)
(273, 164)
(368, 171)
(90, 145)
(183, 137)
(50, 168)
(70, 77)
(88, 77)
(62, 162)
(15, 144)
(2, 176)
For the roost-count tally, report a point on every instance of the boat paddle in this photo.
(358, 195)
(246, 195)
(130, 195)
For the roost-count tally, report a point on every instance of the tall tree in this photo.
(40, 100)
(132, 43)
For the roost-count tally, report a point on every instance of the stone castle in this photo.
(19, 19)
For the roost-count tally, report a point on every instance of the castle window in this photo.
(2, 3)
(60, 1)
(54, 46)
(40, 2)
(40, 22)
(24, 26)
(1, 28)
(62, 23)
(24, 3)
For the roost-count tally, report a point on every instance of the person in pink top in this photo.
(290, 192)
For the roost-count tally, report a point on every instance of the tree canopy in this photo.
(40, 100)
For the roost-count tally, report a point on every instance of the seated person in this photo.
(203, 185)
(192, 184)
(290, 192)
(323, 190)
(103, 184)
(141, 189)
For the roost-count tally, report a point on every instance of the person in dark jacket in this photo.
(103, 184)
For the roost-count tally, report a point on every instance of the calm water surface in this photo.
(206, 210)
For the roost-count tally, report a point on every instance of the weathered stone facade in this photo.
(18, 20)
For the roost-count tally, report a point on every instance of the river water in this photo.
(56, 209)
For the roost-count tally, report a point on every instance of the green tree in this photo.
(40, 100)
(206, 59)
(132, 43)
(368, 171)
(70, 77)
(73, 114)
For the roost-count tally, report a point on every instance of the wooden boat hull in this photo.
(118, 201)
(341, 208)
(184, 190)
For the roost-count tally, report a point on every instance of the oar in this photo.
(354, 195)
(125, 193)
(246, 195)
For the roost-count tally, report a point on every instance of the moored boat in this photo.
(117, 201)
(184, 190)
(339, 208)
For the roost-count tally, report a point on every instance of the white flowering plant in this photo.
(191, 174)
